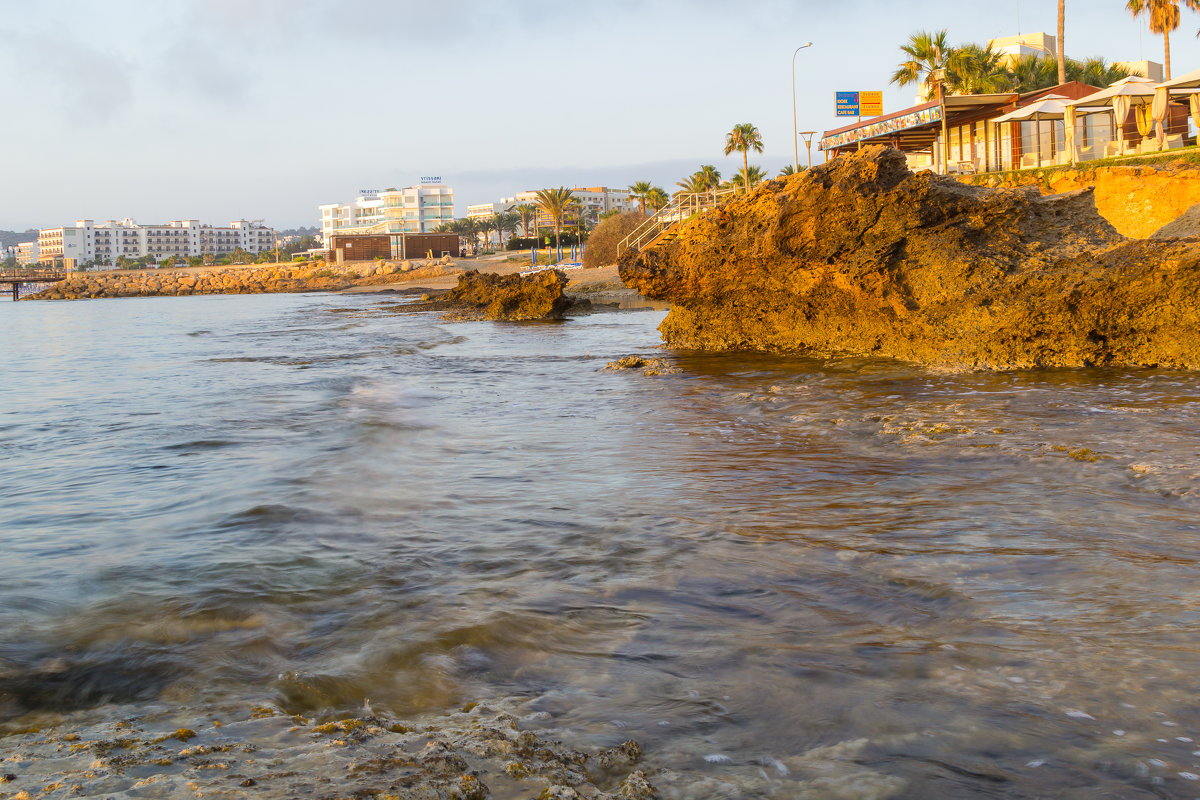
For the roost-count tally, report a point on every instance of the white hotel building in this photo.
(87, 242)
(413, 209)
(595, 201)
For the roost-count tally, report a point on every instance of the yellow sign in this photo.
(870, 104)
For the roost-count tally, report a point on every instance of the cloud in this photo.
(82, 83)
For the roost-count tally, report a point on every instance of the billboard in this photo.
(847, 104)
(859, 104)
(870, 104)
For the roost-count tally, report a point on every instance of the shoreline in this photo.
(601, 285)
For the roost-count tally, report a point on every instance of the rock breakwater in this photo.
(257, 279)
(861, 256)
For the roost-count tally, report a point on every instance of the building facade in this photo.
(594, 200)
(27, 252)
(86, 242)
(413, 209)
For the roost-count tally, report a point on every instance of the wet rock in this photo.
(860, 256)
(481, 295)
(649, 366)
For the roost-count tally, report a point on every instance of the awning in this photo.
(916, 128)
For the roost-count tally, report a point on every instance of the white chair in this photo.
(1029, 160)
(1148, 145)
(1087, 153)
(1112, 149)
(1174, 141)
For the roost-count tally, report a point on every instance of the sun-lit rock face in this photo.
(861, 256)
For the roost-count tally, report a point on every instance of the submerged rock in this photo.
(861, 256)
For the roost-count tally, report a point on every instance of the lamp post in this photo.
(808, 137)
(795, 128)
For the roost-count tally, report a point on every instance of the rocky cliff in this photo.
(861, 256)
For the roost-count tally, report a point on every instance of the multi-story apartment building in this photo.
(27, 252)
(413, 209)
(87, 242)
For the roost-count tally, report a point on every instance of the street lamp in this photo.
(808, 137)
(795, 128)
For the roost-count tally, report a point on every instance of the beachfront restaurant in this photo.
(998, 132)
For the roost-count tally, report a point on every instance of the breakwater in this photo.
(252, 279)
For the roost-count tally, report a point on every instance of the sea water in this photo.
(972, 585)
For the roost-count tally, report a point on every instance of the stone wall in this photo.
(252, 279)
(1136, 199)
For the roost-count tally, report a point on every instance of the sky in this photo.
(265, 109)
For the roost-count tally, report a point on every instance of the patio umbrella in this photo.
(1122, 95)
(1188, 85)
(1052, 106)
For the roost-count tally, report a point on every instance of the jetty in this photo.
(18, 278)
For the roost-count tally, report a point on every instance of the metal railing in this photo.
(683, 206)
(32, 274)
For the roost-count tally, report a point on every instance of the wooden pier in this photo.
(17, 278)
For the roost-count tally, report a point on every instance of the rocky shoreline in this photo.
(863, 257)
(481, 751)
(265, 279)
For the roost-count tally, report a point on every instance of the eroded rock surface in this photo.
(863, 257)
(485, 295)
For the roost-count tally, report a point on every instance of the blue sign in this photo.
(847, 104)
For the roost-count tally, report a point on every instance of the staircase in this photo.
(664, 226)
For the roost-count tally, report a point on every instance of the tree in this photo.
(1030, 72)
(507, 222)
(752, 177)
(528, 212)
(744, 138)
(657, 198)
(1062, 58)
(703, 179)
(928, 54)
(692, 183)
(1095, 72)
(789, 169)
(555, 203)
(1164, 18)
(640, 191)
(971, 69)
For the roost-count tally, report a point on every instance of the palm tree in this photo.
(1095, 72)
(789, 169)
(507, 222)
(928, 54)
(753, 176)
(972, 69)
(1062, 58)
(1030, 72)
(555, 202)
(691, 184)
(528, 212)
(744, 138)
(703, 179)
(657, 198)
(711, 175)
(640, 191)
(1164, 18)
